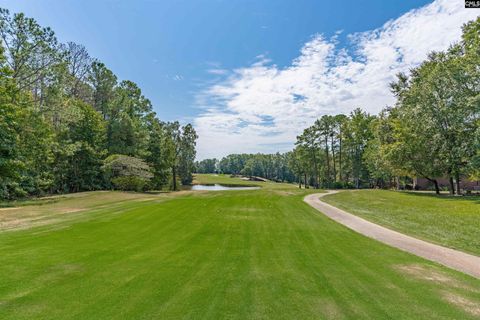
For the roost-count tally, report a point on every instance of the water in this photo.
(220, 187)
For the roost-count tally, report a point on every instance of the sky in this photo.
(251, 75)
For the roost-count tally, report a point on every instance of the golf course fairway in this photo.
(246, 254)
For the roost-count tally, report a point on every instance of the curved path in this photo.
(454, 259)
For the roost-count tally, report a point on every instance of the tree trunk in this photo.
(340, 160)
(457, 180)
(328, 160)
(305, 181)
(174, 177)
(437, 188)
(315, 169)
(452, 186)
(333, 160)
(356, 168)
(435, 183)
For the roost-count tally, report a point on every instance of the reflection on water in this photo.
(220, 187)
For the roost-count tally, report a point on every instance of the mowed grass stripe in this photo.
(231, 255)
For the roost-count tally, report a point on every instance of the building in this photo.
(465, 184)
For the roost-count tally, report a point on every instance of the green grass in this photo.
(49, 210)
(450, 221)
(29, 202)
(255, 254)
(226, 179)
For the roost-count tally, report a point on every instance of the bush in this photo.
(129, 183)
(343, 185)
(11, 190)
(127, 173)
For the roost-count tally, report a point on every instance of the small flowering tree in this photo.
(127, 173)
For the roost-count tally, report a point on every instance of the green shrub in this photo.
(127, 173)
(129, 183)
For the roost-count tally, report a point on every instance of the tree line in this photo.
(68, 124)
(432, 131)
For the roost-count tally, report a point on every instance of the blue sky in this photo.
(222, 64)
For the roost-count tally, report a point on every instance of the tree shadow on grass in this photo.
(469, 198)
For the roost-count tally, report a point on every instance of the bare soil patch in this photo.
(69, 207)
(431, 274)
(463, 303)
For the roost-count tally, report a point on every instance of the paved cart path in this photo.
(451, 258)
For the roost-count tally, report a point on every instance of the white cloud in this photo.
(262, 108)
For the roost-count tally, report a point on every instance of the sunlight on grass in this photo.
(250, 254)
(449, 221)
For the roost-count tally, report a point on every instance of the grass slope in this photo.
(450, 221)
(260, 254)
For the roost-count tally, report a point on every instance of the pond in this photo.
(220, 187)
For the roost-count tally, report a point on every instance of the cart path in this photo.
(451, 258)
